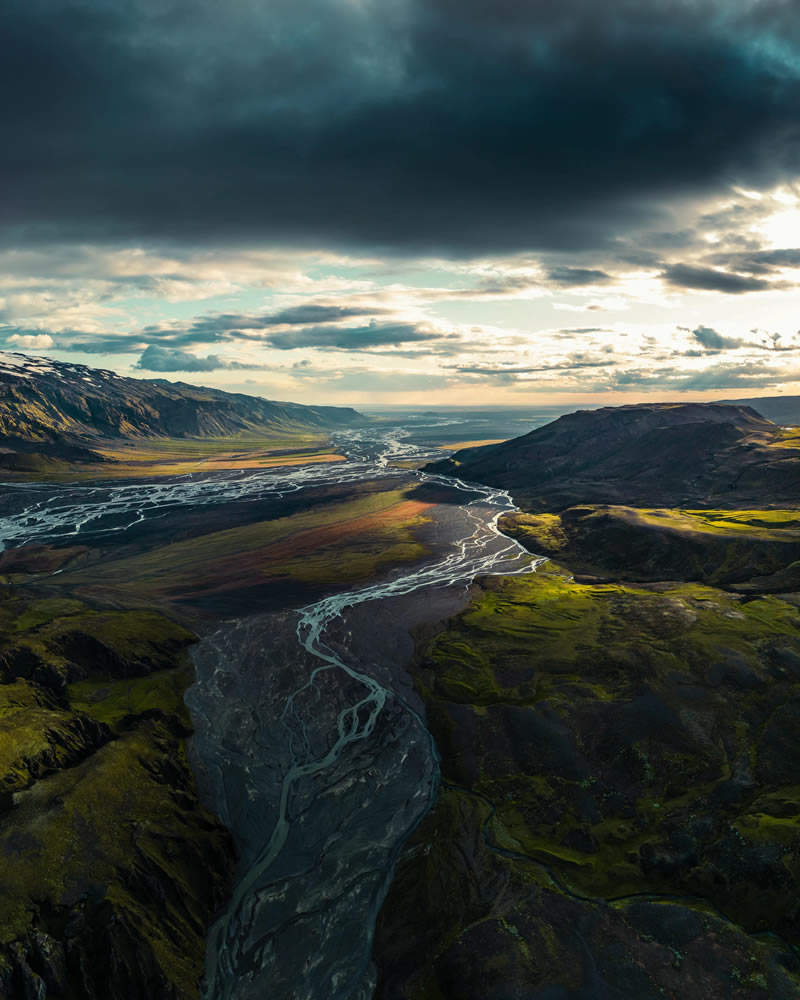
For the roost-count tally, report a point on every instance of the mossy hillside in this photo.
(38, 736)
(56, 640)
(635, 739)
(467, 918)
(114, 703)
(123, 830)
(115, 870)
(713, 546)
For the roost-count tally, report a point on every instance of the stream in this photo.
(309, 739)
(313, 749)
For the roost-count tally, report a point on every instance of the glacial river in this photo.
(309, 741)
(313, 750)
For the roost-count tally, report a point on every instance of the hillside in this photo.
(778, 409)
(660, 454)
(65, 411)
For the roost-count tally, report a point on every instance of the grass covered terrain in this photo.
(112, 868)
(163, 456)
(336, 543)
(756, 549)
(620, 808)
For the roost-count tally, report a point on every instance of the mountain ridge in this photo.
(649, 454)
(778, 409)
(64, 410)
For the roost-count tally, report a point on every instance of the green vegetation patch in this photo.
(717, 547)
(106, 844)
(469, 915)
(38, 736)
(56, 640)
(627, 737)
(113, 703)
(128, 808)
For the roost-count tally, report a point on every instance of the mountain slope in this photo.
(779, 409)
(645, 454)
(63, 410)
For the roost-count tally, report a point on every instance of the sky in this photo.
(414, 202)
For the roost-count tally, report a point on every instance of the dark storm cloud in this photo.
(714, 341)
(473, 126)
(707, 279)
(218, 327)
(165, 344)
(122, 343)
(294, 316)
(302, 315)
(355, 338)
(566, 277)
(761, 262)
(167, 359)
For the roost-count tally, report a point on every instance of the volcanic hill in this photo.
(664, 454)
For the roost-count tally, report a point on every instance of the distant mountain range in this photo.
(658, 454)
(63, 410)
(779, 409)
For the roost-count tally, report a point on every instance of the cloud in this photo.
(317, 313)
(514, 376)
(167, 359)
(714, 341)
(31, 340)
(214, 327)
(356, 338)
(707, 279)
(411, 125)
(715, 377)
(570, 331)
(759, 261)
(566, 277)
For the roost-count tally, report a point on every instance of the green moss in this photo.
(581, 659)
(44, 612)
(76, 832)
(713, 546)
(538, 532)
(37, 735)
(110, 702)
(104, 812)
